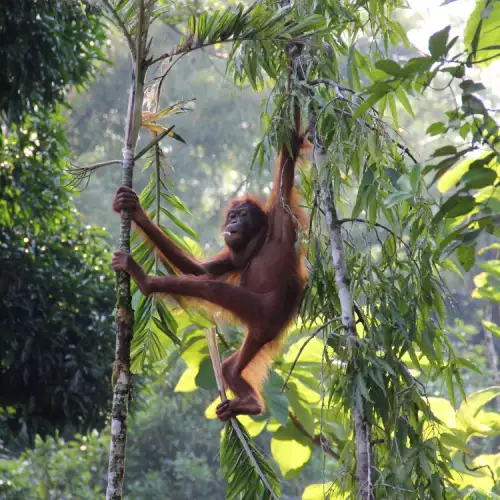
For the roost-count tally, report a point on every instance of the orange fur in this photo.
(268, 296)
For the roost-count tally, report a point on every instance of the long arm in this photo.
(284, 212)
(186, 263)
(125, 198)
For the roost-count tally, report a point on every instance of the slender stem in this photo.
(303, 346)
(318, 440)
(122, 378)
(158, 199)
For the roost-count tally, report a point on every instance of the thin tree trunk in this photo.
(361, 425)
(122, 378)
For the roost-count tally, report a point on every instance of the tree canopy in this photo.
(415, 219)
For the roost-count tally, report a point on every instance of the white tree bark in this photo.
(361, 426)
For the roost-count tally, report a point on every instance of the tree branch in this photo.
(331, 83)
(303, 346)
(319, 440)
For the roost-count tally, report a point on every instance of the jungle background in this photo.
(64, 103)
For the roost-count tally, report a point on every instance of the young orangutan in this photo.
(260, 251)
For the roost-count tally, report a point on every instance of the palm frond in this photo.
(155, 328)
(243, 465)
(255, 23)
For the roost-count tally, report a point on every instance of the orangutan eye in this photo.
(243, 212)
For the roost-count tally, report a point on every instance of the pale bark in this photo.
(361, 426)
(122, 378)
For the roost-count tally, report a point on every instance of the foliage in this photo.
(262, 25)
(241, 475)
(397, 331)
(166, 458)
(55, 290)
(55, 469)
(469, 172)
(45, 46)
(155, 327)
(369, 169)
(474, 476)
(488, 281)
(368, 375)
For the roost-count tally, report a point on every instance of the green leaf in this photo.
(393, 108)
(363, 389)
(445, 151)
(397, 197)
(452, 176)
(472, 105)
(492, 327)
(401, 95)
(456, 206)
(438, 42)
(481, 32)
(180, 224)
(479, 177)
(420, 65)
(467, 256)
(415, 173)
(424, 463)
(239, 468)
(291, 449)
(469, 87)
(456, 71)
(436, 128)
(468, 364)
(453, 441)
(391, 67)
(477, 400)
(276, 401)
(366, 105)
(443, 410)
(205, 377)
(300, 409)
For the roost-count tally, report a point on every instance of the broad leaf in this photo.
(291, 449)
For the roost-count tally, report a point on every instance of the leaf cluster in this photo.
(469, 171)
(44, 48)
(56, 292)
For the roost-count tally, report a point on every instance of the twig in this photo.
(319, 440)
(319, 330)
(333, 84)
(361, 318)
(377, 224)
(187, 50)
(214, 356)
(479, 467)
(222, 338)
(156, 140)
(81, 173)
